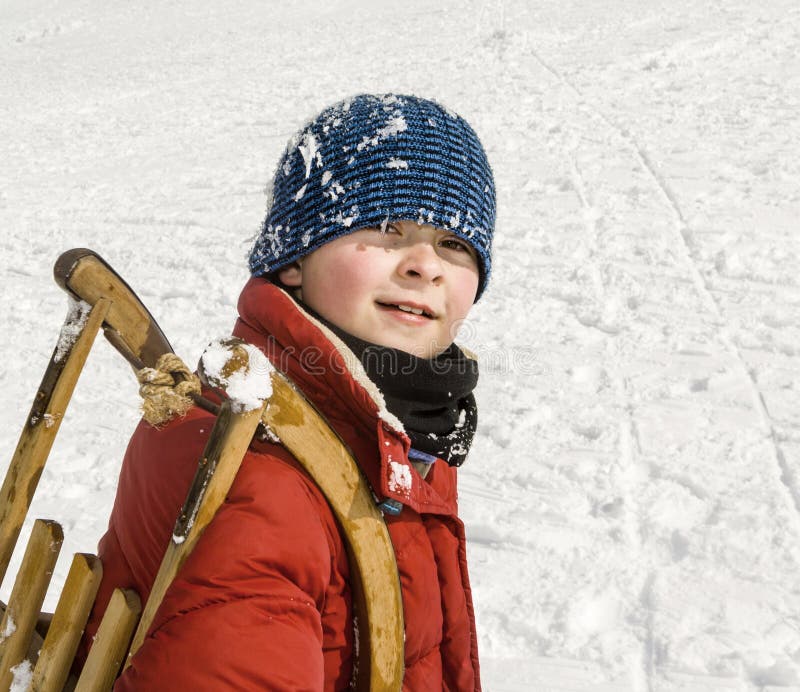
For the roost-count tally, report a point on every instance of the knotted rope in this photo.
(167, 389)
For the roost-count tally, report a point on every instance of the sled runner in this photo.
(100, 299)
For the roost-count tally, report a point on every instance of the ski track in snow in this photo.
(632, 501)
(658, 667)
(679, 226)
(641, 665)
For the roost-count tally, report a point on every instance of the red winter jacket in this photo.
(263, 602)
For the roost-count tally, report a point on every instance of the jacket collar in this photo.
(334, 381)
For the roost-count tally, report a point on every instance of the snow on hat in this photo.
(374, 158)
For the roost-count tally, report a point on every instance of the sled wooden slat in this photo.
(40, 430)
(111, 643)
(27, 596)
(66, 628)
(233, 433)
(377, 599)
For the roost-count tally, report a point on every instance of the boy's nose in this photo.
(420, 260)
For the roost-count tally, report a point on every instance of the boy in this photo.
(376, 245)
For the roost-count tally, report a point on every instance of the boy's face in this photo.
(372, 283)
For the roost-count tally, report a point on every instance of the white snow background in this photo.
(632, 500)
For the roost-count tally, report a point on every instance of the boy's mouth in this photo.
(411, 308)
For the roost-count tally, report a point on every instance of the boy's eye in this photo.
(456, 244)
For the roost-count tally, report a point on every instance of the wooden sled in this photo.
(100, 299)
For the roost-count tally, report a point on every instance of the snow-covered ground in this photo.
(633, 499)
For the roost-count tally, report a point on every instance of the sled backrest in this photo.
(100, 299)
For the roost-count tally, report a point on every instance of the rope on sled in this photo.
(167, 389)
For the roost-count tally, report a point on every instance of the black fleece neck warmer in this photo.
(432, 397)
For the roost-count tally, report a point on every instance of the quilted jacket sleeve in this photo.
(245, 612)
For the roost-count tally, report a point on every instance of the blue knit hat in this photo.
(374, 158)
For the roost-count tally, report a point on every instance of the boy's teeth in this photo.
(405, 308)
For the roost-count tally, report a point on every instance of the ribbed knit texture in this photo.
(370, 159)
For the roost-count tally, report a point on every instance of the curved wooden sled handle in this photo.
(128, 325)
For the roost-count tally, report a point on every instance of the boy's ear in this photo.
(291, 275)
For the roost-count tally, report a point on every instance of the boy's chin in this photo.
(426, 349)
